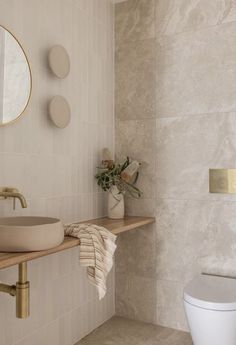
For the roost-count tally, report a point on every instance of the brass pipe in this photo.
(10, 289)
(22, 271)
(22, 292)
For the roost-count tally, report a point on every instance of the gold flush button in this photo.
(222, 181)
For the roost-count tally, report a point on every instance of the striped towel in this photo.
(97, 247)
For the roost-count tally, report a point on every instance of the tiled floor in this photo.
(121, 331)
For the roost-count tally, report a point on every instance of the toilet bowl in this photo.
(210, 306)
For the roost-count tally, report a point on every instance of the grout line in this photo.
(195, 199)
(217, 113)
(169, 36)
(163, 36)
(136, 120)
(118, 43)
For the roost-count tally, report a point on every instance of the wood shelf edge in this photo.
(115, 226)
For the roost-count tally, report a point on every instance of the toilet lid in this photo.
(211, 292)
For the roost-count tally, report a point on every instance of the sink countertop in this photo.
(115, 226)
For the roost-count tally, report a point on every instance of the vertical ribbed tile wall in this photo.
(55, 168)
(185, 124)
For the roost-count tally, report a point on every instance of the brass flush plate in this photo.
(222, 181)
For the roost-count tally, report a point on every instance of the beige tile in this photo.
(135, 20)
(219, 257)
(196, 72)
(187, 147)
(175, 16)
(207, 228)
(195, 105)
(170, 304)
(192, 237)
(136, 297)
(185, 232)
(136, 139)
(140, 259)
(135, 80)
(140, 207)
(230, 12)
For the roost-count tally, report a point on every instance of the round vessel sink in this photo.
(27, 234)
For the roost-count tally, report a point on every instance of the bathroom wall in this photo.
(55, 168)
(135, 112)
(175, 110)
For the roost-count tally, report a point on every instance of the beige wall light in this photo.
(59, 61)
(59, 111)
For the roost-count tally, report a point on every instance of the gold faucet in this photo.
(9, 192)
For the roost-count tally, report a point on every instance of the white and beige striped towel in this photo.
(97, 247)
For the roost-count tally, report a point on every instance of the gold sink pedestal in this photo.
(21, 291)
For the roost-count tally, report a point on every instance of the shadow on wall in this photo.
(136, 289)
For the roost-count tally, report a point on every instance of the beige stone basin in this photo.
(27, 234)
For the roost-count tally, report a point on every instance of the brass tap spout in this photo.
(15, 195)
(7, 192)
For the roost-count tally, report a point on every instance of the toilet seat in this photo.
(212, 293)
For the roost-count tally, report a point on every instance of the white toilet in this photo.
(210, 306)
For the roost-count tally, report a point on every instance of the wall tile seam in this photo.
(136, 119)
(153, 117)
(167, 37)
(113, 81)
(182, 283)
(146, 119)
(101, 123)
(194, 115)
(154, 278)
(215, 201)
(120, 42)
(155, 17)
(141, 275)
(129, 199)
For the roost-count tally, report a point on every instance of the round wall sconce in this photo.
(59, 61)
(59, 111)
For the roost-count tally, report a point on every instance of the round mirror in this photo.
(15, 78)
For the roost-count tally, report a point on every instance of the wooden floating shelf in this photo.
(115, 226)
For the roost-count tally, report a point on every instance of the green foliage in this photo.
(111, 176)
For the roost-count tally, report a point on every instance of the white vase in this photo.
(116, 205)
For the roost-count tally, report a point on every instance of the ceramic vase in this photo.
(116, 205)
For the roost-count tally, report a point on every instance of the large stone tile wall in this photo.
(188, 48)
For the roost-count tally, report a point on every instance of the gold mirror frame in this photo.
(31, 81)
